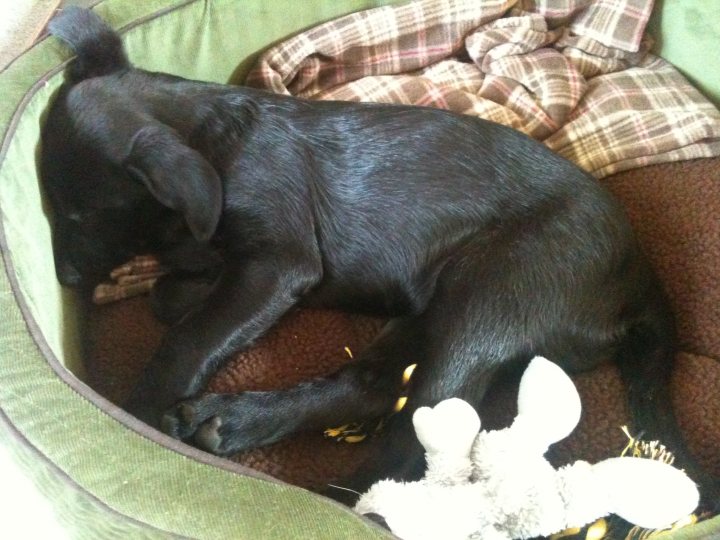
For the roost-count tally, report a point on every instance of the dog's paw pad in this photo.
(169, 424)
(208, 435)
(186, 413)
(180, 421)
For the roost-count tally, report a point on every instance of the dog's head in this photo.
(116, 166)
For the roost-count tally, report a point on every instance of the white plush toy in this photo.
(497, 485)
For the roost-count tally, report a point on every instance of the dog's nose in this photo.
(68, 275)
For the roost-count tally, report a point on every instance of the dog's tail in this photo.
(98, 47)
(646, 358)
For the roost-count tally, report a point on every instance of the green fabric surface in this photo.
(79, 513)
(706, 530)
(117, 467)
(687, 34)
(28, 237)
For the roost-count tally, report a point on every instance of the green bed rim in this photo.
(17, 439)
(153, 480)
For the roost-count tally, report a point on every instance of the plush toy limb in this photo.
(447, 432)
(449, 427)
(645, 492)
(548, 404)
(584, 497)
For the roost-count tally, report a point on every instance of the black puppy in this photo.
(482, 246)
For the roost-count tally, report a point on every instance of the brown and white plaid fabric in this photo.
(575, 74)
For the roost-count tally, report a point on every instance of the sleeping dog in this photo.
(482, 248)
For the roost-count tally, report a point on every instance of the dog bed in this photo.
(107, 474)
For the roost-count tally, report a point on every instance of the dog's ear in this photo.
(178, 176)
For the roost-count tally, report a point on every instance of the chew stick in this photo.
(133, 278)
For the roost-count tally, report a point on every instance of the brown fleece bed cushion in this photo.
(675, 209)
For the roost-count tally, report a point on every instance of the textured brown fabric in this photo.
(307, 343)
(675, 209)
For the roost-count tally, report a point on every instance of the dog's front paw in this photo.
(181, 421)
(224, 424)
(198, 420)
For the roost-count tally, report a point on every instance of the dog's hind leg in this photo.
(540, 289)
(475, 325)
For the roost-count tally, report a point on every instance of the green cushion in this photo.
(687, 34)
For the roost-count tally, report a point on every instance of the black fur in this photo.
(482, 246)
(99, 49)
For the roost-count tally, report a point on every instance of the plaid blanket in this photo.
(575, 74)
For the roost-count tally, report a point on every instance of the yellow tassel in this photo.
(649, 450)
(400, 403)
(631, 441)
(597, 530)
(349, 353)
(408, 373)
(336, 432)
